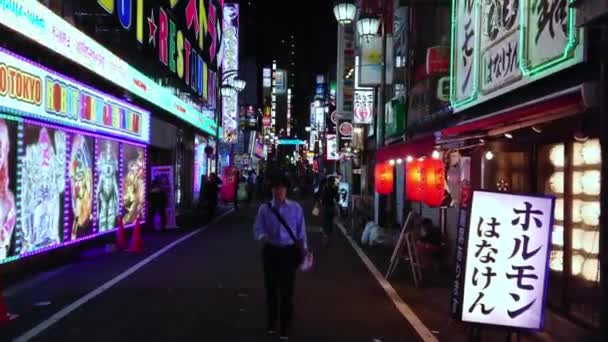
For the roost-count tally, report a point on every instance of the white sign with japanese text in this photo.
(364, 107)
(466, 33)
(332, 147)
(548, 30)
(499, 43)
(508, 244)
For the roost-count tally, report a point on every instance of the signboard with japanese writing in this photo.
(30, 90)
(499, 44)
(364, 107)
(465, 17)
(506, 259)
(332, 147)
(344, 194)
(502, 45)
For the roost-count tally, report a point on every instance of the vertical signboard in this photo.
(507, 259)
(465, 38)
(332, 147)
(230, 63)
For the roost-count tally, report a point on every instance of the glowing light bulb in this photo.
(489, 155)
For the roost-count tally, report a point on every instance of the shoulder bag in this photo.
(306, 259)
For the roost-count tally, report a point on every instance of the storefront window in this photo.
(575, 181)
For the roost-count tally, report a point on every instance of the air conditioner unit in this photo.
(590, 11)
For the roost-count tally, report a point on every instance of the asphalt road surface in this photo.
(202, 285)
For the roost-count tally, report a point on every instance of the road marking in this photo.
(37, 330)
(403, 308)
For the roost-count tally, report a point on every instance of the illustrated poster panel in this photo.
(43, 188)
(80, 173)
(107, 189)
(133, 183)
(507, 255)
(8, 189)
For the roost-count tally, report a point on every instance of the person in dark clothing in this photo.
(429, 244)
(158, 204)
(210, 194)
(237, 181)
(281, 229)
(329, 198)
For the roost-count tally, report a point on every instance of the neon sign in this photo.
(32, 19)
(30, 90)
(503, 45)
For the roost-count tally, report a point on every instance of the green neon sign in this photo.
(544, 48)
(572, 41)
(457, 6)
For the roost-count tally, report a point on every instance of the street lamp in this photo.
(345, 11)
(367, 26)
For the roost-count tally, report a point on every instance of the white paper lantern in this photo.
(591, 213)
(556, 183)
(591, 241)
(592, 152)
(557, 237)
(556, 262)
(556, 155)
(577, 208)
(367, 26)
(577, 264)
(577, 183)
(577, 155)
(577, 238)
(590, 270)
(591, 182)
(559, 209)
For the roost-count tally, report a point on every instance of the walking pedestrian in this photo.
(329, 199)
(281, 229)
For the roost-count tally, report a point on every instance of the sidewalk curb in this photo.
(405, 310)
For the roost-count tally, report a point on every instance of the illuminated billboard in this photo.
(31, 90)
(60, 186)
(499, 46)
(133, 183)
(35, 21)
(230, 48)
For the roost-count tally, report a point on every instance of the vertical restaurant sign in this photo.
(332, 147)
(35, 21)
(465, 36)
(507, 259)
(31, 90)
(230, 46)
(502, 45)
(364, 107)
(184, 36)
(370, 69)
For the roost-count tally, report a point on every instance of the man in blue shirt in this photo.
(280, 253)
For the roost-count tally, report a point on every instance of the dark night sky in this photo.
(264, 23)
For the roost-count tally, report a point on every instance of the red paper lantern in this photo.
(384, 179)
(433, 180)
(413, 180)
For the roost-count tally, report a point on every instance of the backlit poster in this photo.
(80, 174)
(200, 165)
(107, 191)
(8, 185)
(133, 183)
(43, 187)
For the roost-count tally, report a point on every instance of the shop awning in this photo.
(553, 107)
(416, 147)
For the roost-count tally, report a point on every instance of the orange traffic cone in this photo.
(121, 238)
(136, 243)
(5, 317)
